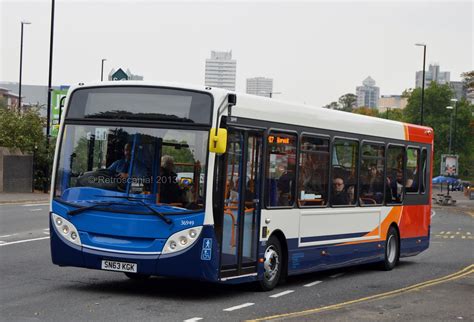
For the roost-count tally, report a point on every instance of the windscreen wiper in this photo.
(82, 209)
(144, 204)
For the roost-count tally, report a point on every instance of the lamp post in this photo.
(102, 70)
(450, 127)
(21, 63)
(455, 101)
(271, 93)
(423, 83)
(48, 106)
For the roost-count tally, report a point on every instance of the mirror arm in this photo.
(222, 106)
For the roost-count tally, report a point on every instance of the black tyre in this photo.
(137, 276)
(273, 265)
(392, 250)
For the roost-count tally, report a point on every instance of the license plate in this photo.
(119, 266)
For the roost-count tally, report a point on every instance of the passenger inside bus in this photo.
(170, 192)
(339, 195)
(372, 188)
(121, 166)
(312, 177)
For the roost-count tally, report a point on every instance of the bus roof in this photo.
(274, 110)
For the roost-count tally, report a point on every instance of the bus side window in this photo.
(412, 180)
(281, 169)
(345, 157)
(313, 172)
(423, 169)
(395, 174)
(372, 174)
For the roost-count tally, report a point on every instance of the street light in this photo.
(21, 62)
(102, 70)
(50, 88)
(455, 101)
(450, 126)
(423, 83)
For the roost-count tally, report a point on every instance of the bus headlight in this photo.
(181, 240)
(66, 229)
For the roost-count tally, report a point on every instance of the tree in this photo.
(348, 102)
(437, 97)
(366, 111)
(468, 80)
(3, 103)
(25, 132)
(395, 114)
(332, 106)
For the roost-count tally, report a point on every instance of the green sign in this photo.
(119, 75)
(56, 97)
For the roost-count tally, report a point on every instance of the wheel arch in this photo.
(284, 248)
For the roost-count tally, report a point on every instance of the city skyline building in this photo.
(392, 102)
(260, 86)
(221, 70)
(433, 74)
(368, 94)
(125, 75)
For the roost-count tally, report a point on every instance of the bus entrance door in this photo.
(240, 224)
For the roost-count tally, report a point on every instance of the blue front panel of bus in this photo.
(188, 264)
(126, 232)
(135, 238)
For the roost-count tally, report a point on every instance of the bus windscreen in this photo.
(141, 104)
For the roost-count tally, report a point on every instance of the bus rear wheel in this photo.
(137, 276)
(272, 264)
(392, 250)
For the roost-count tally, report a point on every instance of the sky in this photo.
(315, 51)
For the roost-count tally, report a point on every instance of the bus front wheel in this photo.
(272, 264)
(392, 249)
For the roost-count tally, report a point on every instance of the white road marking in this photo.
(453, 236)
(463, 237)
(46, 232)
(441, 232)
(23, 241)
(192, 320)
(241, 306)
(37, 209)
(468, 233)
(312, 284)
(433, 213)
(457, 233)
(35, 204)
(281, 293)
(8, 235)
(336, 275)
(2, 242)
(46, 229)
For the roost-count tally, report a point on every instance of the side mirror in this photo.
(218, 143)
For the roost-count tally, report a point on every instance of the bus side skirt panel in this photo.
(319, 258)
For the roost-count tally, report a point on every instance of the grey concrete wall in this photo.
(16, 171)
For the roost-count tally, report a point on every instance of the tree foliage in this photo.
(366, 111)
(21, 130)
(332, 106)
(348, 102)
(468, 79)
(437, 116)
(25, 132)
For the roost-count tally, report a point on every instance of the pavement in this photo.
(27, 197)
